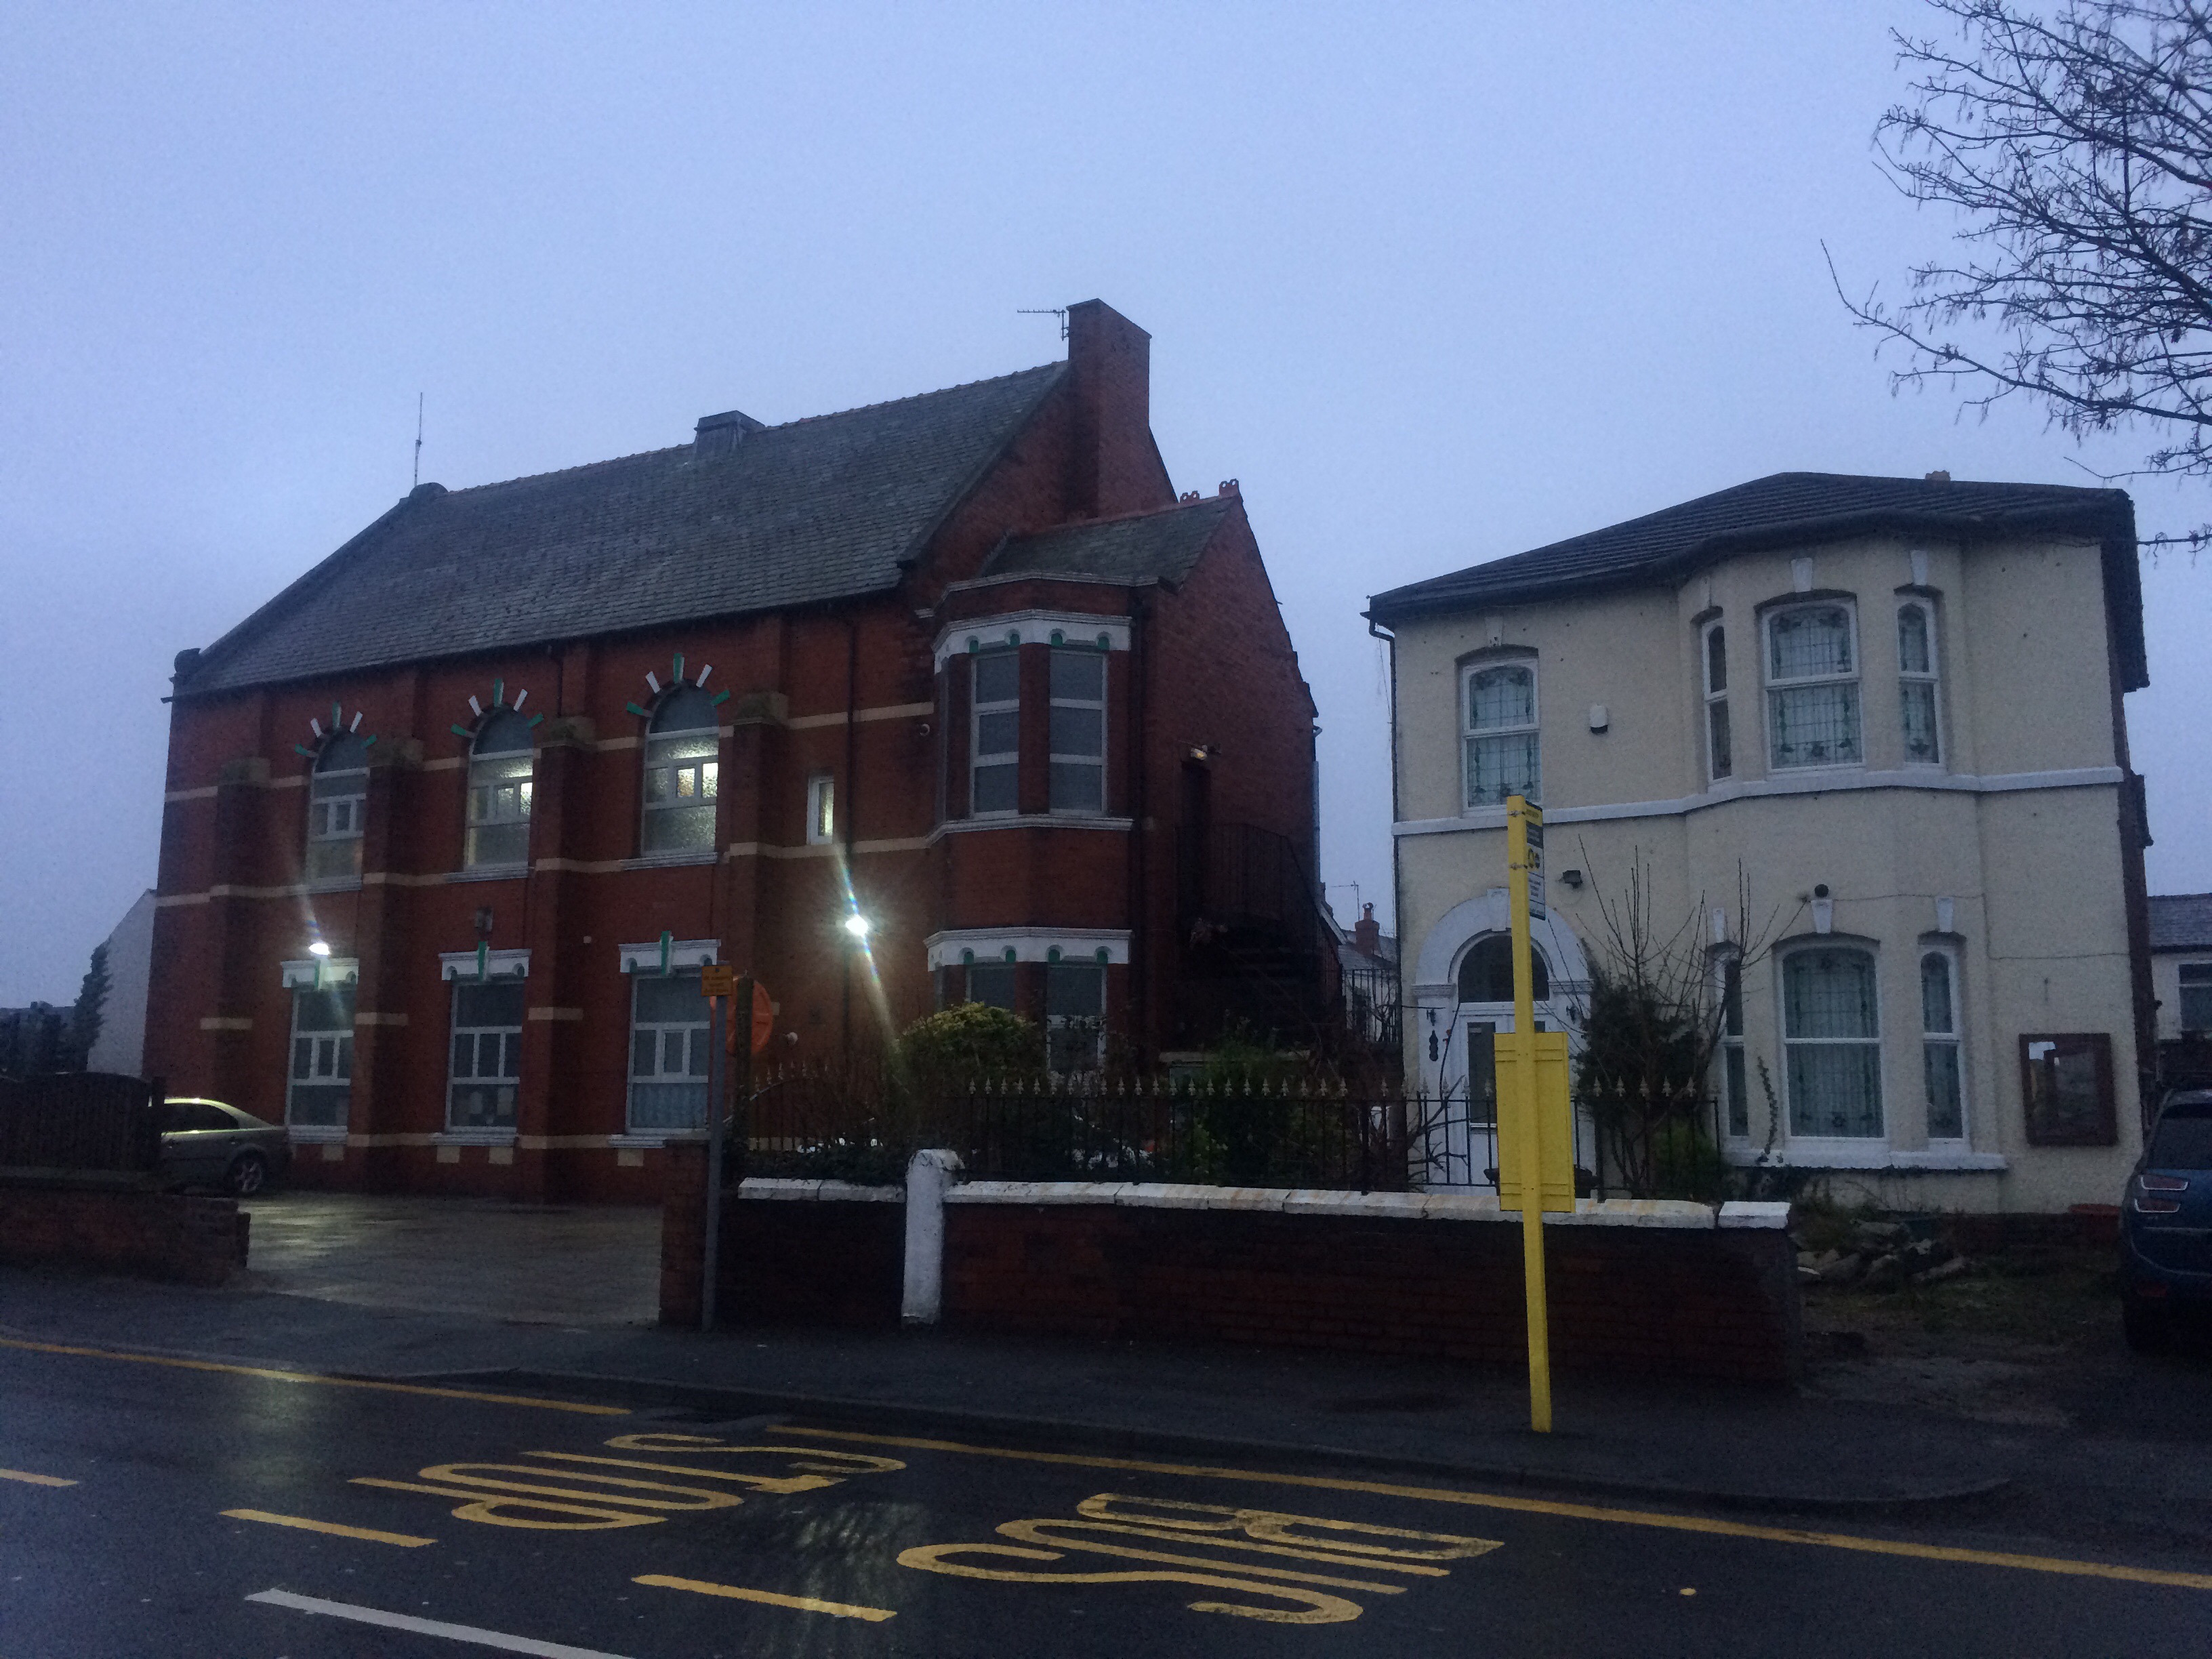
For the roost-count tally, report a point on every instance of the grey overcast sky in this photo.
(1435, 284)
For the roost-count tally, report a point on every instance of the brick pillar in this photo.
(548, 1103)
(683, 1233)
(381, 944)
(240, 980)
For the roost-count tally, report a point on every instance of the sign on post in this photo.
(718, 980)
(1535, 1130)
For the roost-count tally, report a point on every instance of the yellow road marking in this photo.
(367, 1533)
(273, 1375)
(739, 1593)
(30, 1479)
(1834, 1541)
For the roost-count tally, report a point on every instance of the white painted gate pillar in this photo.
(926, 1178)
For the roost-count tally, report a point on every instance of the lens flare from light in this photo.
(857, 925)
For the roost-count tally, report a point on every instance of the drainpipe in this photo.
(1397, 877)
(1141, 895)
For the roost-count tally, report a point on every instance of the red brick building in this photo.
(453, 820)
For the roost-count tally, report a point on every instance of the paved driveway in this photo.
(529, 1264)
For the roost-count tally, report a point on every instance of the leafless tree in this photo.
(2077, 152)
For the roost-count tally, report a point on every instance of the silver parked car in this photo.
(205, 1143)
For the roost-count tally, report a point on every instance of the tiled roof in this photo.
(1160, 546)
(823, 508)
(2181, 921)
(1796, 509)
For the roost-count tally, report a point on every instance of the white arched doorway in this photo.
(1463, 998)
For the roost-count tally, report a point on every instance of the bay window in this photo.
(995, 732)
(1832, 1043)
(1719, 755)
(1939, 1047)
(1813, 688)
(1078, 722)
(1916, 684)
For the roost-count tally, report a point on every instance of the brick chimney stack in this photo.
(1367, 933)
(1116, 469)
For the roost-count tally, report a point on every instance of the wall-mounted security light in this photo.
(857, 926)
(319, 949)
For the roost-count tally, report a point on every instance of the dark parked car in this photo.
(2166, 1221)
(205, 1143)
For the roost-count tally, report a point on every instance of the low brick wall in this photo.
(793, 1252)
(1647, 1288)
(1652, 1289)
(195, 1240)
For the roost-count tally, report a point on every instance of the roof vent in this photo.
(1939, 478)
(718, 435)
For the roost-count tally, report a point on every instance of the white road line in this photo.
(483, 1639)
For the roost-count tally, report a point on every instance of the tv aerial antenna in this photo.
(1060, 312)
(418, 439)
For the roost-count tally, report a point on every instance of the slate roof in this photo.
(1798, 509)
(823, 508)
(2181, 921)
(1145, 547)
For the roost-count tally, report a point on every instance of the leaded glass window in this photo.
(1939, 1047)
(1831, 1036)
(1916, 684)
(501, 761)
(1074, 1015)
(1720, 758)
(1500, 734)
(1813, 688)
(681, 773)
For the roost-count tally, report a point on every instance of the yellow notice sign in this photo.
(1548, 1127)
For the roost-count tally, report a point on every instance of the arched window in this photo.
(1831, 1033)
(1486, 974)
(681, 775)
(337, 799)
(500, 762)
(1916, 684)
(1940, 1046)
(1499, 709)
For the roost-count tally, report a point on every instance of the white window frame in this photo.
(1053, 700)
(1931, 677)
(1716, 700)
(1064, 1037)
(1777, 686)
(705, 798)
(337, 814)
(1954, 1039)
(2183, 986)
(1470, 734)
(329, 1056)
(821, 810)
(508, 1051)
(978, 761)
(1734, 1088)
(699, 1034)
(498, 800)
(1815, 1143)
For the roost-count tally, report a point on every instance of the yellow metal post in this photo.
(1528, 1107)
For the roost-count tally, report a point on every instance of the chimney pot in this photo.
(1938, 477)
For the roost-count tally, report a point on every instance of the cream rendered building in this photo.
(1893, 708)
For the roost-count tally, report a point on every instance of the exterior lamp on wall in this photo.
(857, 925)
(1824, 909)
(319, 949)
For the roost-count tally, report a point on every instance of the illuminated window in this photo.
(682, 776)
(500, 765)
(821, 810)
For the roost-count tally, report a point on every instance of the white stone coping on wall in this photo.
(1669, 1213)
(841, 1191)
(1876, 1158)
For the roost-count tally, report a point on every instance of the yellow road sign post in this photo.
(1535, 1130)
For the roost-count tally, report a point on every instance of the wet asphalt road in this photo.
(152, 1508)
